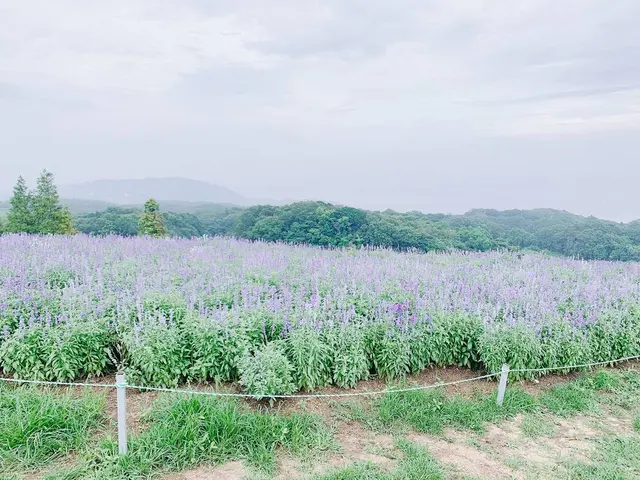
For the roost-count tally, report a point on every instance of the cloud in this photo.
(297, 90)
(368, 61)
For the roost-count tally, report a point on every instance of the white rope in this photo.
(58, 384)
(575, 367)
(310, 395)
(318, 395)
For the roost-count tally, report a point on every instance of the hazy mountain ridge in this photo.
(137, 191)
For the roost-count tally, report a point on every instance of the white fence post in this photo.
(121, 387)
(502, 388)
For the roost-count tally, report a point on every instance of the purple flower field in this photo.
(172, 311)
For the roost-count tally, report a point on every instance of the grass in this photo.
(37, 426)
(537, 425)
(430, 411)
(615, 458)
(568, 399)
(417, 464)
(184, 432)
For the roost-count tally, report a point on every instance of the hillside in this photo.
(319, 223)
(137, 191)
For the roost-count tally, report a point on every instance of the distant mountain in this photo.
(137, 191)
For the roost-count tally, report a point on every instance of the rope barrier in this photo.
(573, 367)
(310, 395)
(317, 395)
(59, 384)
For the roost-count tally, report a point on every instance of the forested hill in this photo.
(319, 223)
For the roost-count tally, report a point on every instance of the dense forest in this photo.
(320, 223)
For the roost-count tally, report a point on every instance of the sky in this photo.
(431, 105)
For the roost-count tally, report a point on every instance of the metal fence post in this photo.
(502, 388)
(121, 387)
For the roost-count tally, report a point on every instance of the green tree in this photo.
(49, 216)
(151, 221)
(20, 218)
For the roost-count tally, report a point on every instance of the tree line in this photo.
(324, 224)
(39, 211)
(319, 223)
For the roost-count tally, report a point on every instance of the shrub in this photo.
(614, 335)
(171, 307)
(455, 339)
(61, 353)
(421, 344)
(350, 363)
(267, 372)
(156, 354)
(517, 345)
(311, 358)
(21, 354)
(390, 352)
(563, 345)
(216, 350)
(59, 277)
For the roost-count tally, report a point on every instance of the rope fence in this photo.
(121, 387)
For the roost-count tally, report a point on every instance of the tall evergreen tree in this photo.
(20, 218)
(45, 204)
(151, 221)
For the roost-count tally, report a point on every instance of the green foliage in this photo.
(50, 217)
(156, 355)
(421, 344)
(267, 371)
(563, 345)
(311, 358)
(216, 350)
(59, 277)
(172, 308)
(455, 339)
(568, 399)
(58, 353)
(39, 211)
(430, 411)
(151, 221)
(389, 352)
(616, 335)
(350, 363)
(37, 426)
(320, 223)
(20, 216)
(186, 431)
(515, 345)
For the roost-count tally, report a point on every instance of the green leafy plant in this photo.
(311, 358)
(216, 350)
(390, 352)
(350, 363)
(267, 372)
(516, 345)
(156, 354)
(455, 340)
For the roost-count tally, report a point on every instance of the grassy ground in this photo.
(587, 427)
(38, 426)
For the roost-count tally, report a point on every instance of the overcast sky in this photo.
(439, 106)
